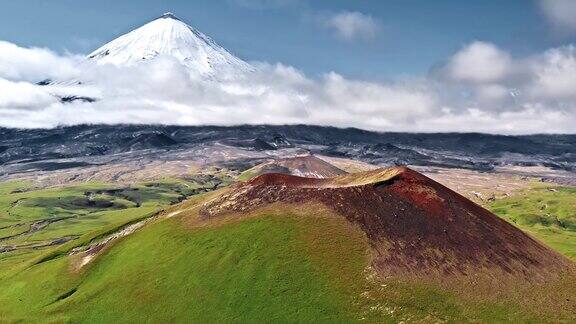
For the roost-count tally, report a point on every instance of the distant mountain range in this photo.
(29, 149)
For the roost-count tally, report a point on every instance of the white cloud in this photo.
(479, 62)
(33, 64)
(491, 94)
(163, 91)
(23, 95)
(561, 13)
(528, 120)
(491, 80)
(350, 25)
(555, 74)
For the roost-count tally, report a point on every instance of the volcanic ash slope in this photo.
(415, 226)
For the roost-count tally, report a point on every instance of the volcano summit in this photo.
(169, 36)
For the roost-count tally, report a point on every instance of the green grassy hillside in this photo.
(39, 221)
(284, 268)
(272, 266)
(548, 213)
(288, 264)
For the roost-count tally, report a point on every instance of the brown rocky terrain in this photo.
(416, 226)
(304, 166)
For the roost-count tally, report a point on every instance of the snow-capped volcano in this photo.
(168, 35)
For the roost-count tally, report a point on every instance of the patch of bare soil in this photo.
(348, 165)
(304, 166)
(480, 187)
(484, 187)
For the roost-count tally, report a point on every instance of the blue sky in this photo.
(409, 36)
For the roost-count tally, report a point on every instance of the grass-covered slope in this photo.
(265, 268)
(282, 260)
(546, 212)
(288, 264)
(37, 223)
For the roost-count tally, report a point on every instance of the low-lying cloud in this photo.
(31, 64)
(480, 88)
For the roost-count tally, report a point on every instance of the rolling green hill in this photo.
(282, 262)
(546, 212)
(270, 266)
(250, 270)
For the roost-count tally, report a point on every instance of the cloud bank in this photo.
(480, 88)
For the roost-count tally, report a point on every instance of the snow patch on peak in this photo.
(169, 15)
(169, 36)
